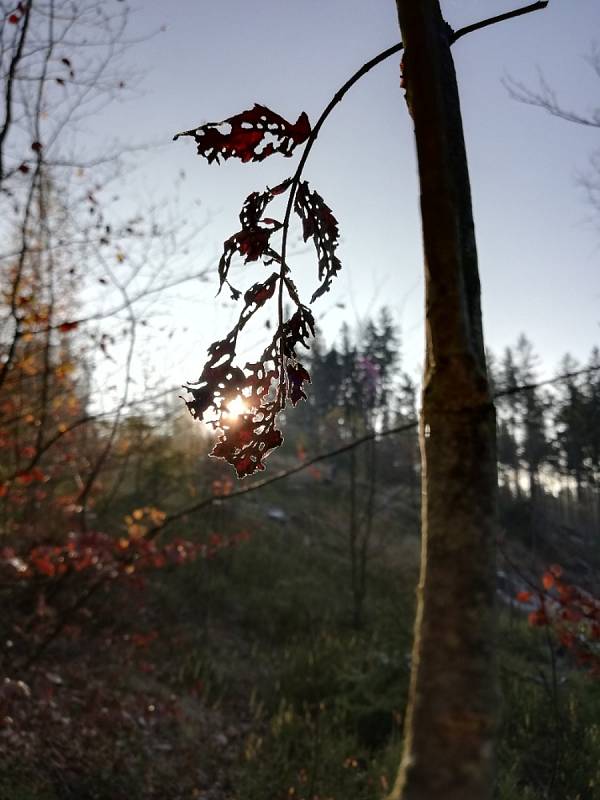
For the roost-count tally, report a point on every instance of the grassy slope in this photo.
(258, 688)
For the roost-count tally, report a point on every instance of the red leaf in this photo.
(538, 618)
(246, 445)
(43, 565)
(252, 242)
(23, 168)
(261, 292)
(252, 135)
(524, 597)
(567, 639)
(36, 147)
(65, 327)
(548, 580)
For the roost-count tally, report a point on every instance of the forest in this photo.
(181, 620)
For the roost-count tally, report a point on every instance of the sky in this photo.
(538, 238)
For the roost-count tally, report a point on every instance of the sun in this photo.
(236, 407)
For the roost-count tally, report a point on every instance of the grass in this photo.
(276, 695)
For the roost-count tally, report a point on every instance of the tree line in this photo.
(548, 435)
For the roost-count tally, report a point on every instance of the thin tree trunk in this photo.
(450, 724)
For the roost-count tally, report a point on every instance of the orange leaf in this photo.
(548, 580)
(524, 597)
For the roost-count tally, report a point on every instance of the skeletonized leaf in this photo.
(297, 330)
(252, 135)
(319, 224)
(252, 242)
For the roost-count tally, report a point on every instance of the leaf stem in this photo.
(337, 98)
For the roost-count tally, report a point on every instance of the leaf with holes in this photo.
(252, 242)
(258, 294)
(220, 381)
(297, 330)
(249, 440)
(252, 135)
(296, 376)
(319, 224)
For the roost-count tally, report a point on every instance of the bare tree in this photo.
(80, 277)
(545, 97)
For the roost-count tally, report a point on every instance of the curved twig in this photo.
(337, 98)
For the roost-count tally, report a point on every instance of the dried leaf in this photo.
(252, 135)
(296, 375)
(319, 224)
(65, 327)
(252, 242)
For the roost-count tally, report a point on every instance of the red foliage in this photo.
(263, 387)
(65, 327)
(548, 580)
(252, 135)
(248, 438)
(524, 597)
(100, 553)
(572, 613)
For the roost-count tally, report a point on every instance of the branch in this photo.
(528, 387)
(337, 98)
(546, 99)
(10, 83)
(367, 67)
(517, 12)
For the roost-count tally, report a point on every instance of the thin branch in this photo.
(517, 12)
(528, 387)
(10, 83)
(337, 98)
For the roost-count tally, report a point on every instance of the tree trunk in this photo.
(450, 724)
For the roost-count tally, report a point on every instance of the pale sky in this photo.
(539, 245)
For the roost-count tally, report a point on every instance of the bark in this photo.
(450, 723)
